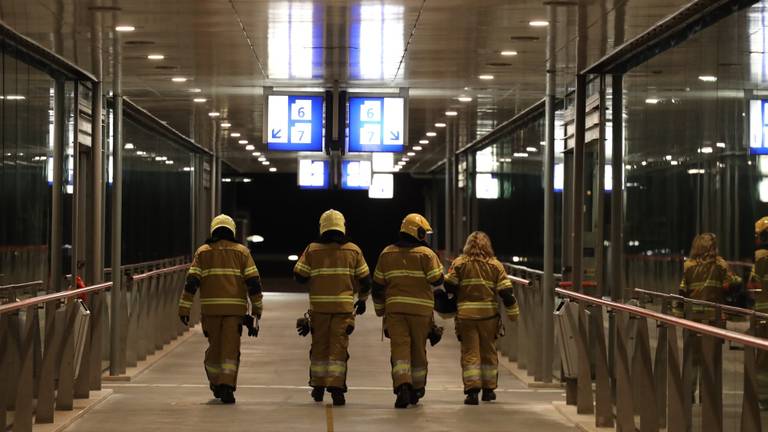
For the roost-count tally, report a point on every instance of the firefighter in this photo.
(406, 277)
(226, 276)
(476, 279)
(334, 270)
(758, 283)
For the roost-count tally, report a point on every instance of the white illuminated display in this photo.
(486, 186)
(358, 175)
(382, 186)
(312, 173)
(290, 40)
(383, 162)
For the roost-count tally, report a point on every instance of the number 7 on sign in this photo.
(301, 133)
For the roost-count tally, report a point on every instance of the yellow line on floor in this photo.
(329, 417)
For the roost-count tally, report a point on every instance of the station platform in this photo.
(272, 393)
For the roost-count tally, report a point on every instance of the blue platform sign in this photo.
(355, 175)
(295, 123)
(758, 127)
(376, 124)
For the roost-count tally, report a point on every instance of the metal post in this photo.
(215, 173)
(57, 216)
(450, 184)
(577, 199)
(599, 196)
(617, 195)
(95, 271)
(116, 363)
(548, 295)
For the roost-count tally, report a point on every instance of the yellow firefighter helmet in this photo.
(761, 225)
(416, 226)
(223, 220)
(332, 220)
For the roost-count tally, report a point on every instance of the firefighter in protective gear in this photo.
(406, 277)
(477, 279)
(758, 284)
(335, 271)
(226, 276)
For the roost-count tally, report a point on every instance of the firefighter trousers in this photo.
(408, 344)
(328, 355)
(479, 360)
(222, 358)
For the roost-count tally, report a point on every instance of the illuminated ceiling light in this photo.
(405, 159)
(411, 153)
(708, 78)
(423, 141)
(187, 169)
(464, 99)
(644, 163)
(417, 148)
(452, 113)
(538, 23)
(226, 125)
(652, 101)
(125, 28)
(272, 169)
(531, 149)
(696, 171)
(128, 146)
(256, 154)
(668, 157)
(262, 159)
(255, 238)
(214, 114)
(226, 180)
(401, 163)
(520, 155)
(235, 134)
(720, 145)
(169, 162)
(250, 147)
(13, 97)
(431, 134)
(265, 163)
(509, 53)
(293, 257)
(160, 158)
(440, 125)
(243, 142)
(246, 180)
(706, 150)
(179, 79)
(141, 153)
(199, 100)
(155, 57)
(485, 77)
(195, 90)
(674, 162)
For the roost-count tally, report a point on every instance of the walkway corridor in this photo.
(272, 395)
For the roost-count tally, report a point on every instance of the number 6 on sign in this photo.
(301, 110)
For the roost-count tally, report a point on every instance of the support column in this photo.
(617, 195)
(116, 363)
(95, 268)
(57, 208)
(450, 186)
(548, 295)
(577, 185)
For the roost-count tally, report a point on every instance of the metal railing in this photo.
(40, 364)
(658, 387)
(524, 344)
(38, 374)
(11, 293)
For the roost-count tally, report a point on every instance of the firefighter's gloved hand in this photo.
(252, 324)
(435, 335)
(302, 326)
(184, 319)
(359, 307)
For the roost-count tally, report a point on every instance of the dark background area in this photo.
(287, 217)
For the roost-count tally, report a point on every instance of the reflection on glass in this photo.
(378, 41)
(757, 43)
(291, 41)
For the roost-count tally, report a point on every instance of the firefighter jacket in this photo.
(221, 270)
(477, 283)
(333, 271)
(404, 279)
(706, 280)
(758, 280)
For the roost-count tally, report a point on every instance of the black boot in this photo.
(216, 391)
(227, 394)
(403, 396)
(337, 395)
(416, 395)
(472, 397)
(489, 395)
(318, 393)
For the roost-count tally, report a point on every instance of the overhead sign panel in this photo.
(758, 127)
(376, 124)
(313, 174)
(355, 175)
(294, 123)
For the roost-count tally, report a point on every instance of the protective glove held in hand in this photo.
(360, 307)
(302, 326)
